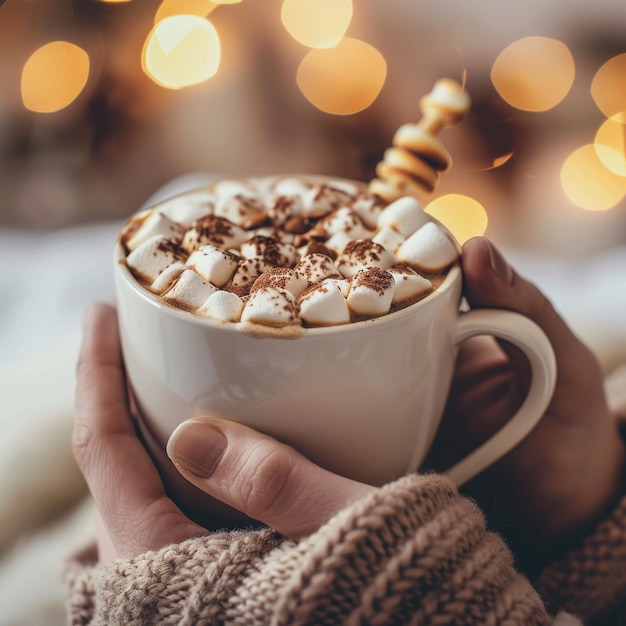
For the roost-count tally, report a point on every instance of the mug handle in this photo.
(528, 337)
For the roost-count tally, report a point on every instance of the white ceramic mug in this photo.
(363, 400)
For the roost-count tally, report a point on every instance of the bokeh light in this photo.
(54, 76)
(227, 1)
(534, 73)
(463, 216)
(608, 88)
(588, 183)
(317, 23)
(610, 144)
(168, 8)
(181, 50)
(342, 80)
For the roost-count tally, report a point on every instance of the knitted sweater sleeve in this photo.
(590, 581)
(412, 552)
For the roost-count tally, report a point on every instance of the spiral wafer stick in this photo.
(417, 156)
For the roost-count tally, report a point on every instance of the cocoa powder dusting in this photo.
(129, 230)
(170, 247)
(375, 278)
(363, 250)
(267, 248)
(214, 229)
(292, 247)
(316, 247)
(277, 278)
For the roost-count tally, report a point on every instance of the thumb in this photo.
(490, 282)
(264, 479)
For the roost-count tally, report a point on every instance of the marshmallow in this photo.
(409, 285)
(324, 305)
(371, 292)
(241, 210)
(313, 246)
(404, 215)
(153, 256)
(225, 188)
(216, 231)
(285, 211)
(270, 250)
(343, 186)
(281, 278)
(328, 253)
(275, 233)
(367, 207)
(338, 242)
(358, 255)
(165, 279)
(388, 238)
(343, 284)
(224, 306)
(248, 270)
(292, 187)
(148, 224)
(343, 220)
(189, 291)
(186, 209)
(270, 307)
(213, 265)
(315, 267)
(428, 248)
(324, 198)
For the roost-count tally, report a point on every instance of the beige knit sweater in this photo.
(413, 552)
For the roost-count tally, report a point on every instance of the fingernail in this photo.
(197, 446)
(499, 264)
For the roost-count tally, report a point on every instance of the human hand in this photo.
(252, 473)
(568, 470)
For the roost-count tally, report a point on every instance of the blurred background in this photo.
(102, 103)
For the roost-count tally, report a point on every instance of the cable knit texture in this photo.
(591, 581)
(413, 552)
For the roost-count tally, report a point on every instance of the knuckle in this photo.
(266, 486)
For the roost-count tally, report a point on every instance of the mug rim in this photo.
(452, 277)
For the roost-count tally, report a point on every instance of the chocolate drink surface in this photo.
(281, 254)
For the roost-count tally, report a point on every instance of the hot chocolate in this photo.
(301, 261)
(288, 252)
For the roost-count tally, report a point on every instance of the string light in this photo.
(169, 8)
(181, 50)
(54, 76)
(610, 145)
(608, 88)
(534, 73)
(342, 76)
(317, 23)
(342, 80)
(588, 183)
(463, 216)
